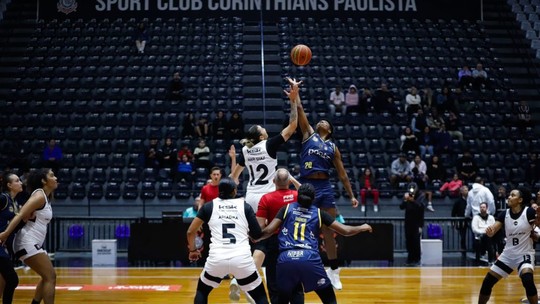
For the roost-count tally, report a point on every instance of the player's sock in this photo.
(334, 264)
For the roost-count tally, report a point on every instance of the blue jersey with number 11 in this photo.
(300, 228)
(317, 155)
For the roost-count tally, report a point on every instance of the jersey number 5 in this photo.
(227, 235)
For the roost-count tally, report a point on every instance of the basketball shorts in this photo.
(25, 248)
(241, 266)
(324, 193)
(505, 264)
(300, 266)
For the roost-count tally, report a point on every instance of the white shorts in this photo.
(240, 266)
(253, 200)
(509, 263)
(24, 250)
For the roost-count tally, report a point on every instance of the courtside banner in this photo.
(254, 9)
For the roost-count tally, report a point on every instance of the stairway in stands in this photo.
(514, 52)
(15, 33)
(262, 105)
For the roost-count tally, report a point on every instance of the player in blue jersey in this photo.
(299, 263)
(319, 155)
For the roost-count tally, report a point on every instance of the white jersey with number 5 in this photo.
(518, 234)
(228, 228)
(261, 167)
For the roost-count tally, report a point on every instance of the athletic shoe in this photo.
(363, 208)
(430, 208)
(333, 275)
(375, 208)
(234, 290)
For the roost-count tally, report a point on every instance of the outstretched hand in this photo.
(232, 152)
(293, 90)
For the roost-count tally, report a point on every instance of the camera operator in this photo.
(413, 203)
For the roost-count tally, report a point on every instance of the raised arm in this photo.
(232, 155)
(294, 98)
(342, 174)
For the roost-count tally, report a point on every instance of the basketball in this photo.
(301, 54)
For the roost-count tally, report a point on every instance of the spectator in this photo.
(368, 186)
(501, 203)
(188, 125)
(465, 77)
(176, 88)
(413, 102)
(236, 126)
(219, 126)
(400, 171)
(427, 98)
(151, 155)
(479, 194)
(458, 210)
(168, 155)
(413, 203)
(435, 170)
(479, 224)
(384, 100)
(409, 142)
(210, 191)
(352, 100)
(452, 186)
(52, 155)
(202, 128)
(185, 171)
(201, 155)
(419, 176)
(434, 120)
(466, 167)
(185, 150)
(337, 101)
(480, 77)
(418, 122)
(141, 36)
(443, 141)
(523, 117)
(366, 101)
(532, 169)
(426, 140)
(452, 126)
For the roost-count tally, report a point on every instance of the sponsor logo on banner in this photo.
(67, 6)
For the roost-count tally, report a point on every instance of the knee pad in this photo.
(528, 282)
(487, 284)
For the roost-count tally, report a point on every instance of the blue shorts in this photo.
(300, 267)
(324, 193)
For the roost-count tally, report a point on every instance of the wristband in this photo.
(193, 250)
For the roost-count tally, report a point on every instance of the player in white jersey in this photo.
(230, 221)
(518, 222)
(28, 242)
(259, 153)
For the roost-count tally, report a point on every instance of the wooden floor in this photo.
(360, 285)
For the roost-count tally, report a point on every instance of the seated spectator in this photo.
(524, 117)
(202, 128)
(185, 171)
(427, 98)
(413, 102)
(151, 156)
(400, 171)
(188, 125)
(368, 186)
(434, 120)
(479, 224)
(337, 101)
(435, 170)
(52, 156)
(219, 126)
(446, 101)
(176, 88)
(452, 126)
(140, 37)
(168, 154)
(426, 141)
(236, 126)
(466, 167)
(352, 100)
(184, 150)
(366, 101)
(465, 77)
(480, 77)
(418, 122)
(201, 154)
(452, 186)
(443, 141)
(409, 142)
(384, 100)
(191, 212)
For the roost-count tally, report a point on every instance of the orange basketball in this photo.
(301, 54)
